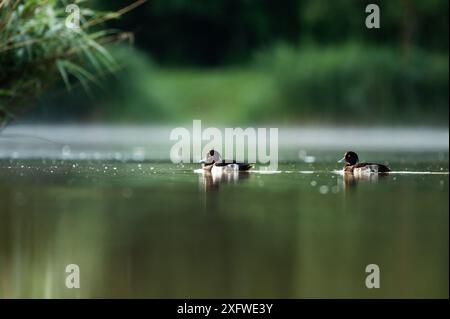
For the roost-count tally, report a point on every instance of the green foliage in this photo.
(344, 84)
(141, 92)
(126, 96)
(223, 32)
(353, 82)
(398, 73)
(225, 96)
(36, 48)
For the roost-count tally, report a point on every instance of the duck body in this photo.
(355, 167)
(227, 166)
(215, 164)
(366, 168)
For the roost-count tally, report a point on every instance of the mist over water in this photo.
(103, 142)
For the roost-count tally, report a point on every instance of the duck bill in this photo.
(342, 160)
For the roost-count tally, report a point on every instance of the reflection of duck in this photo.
(354, 166)
(211, 179)
(215, 164)
(352, 179)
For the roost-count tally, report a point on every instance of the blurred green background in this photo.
(266, 61)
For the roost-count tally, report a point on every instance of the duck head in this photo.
(351, 158)
(211, 157)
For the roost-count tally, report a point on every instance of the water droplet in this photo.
(323, 189)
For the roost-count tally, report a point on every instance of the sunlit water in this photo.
(140, 226)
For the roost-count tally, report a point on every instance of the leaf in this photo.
(62, 71)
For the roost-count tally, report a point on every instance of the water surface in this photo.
(147, 228)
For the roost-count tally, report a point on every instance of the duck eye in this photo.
(211, 152)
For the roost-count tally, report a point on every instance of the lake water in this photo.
(108, 200)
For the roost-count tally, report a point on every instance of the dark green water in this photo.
(161, 230)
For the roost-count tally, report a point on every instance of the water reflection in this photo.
(136, 233)
(211, 181)
(351, 180)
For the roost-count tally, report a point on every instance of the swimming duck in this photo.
(354, 166)
(213, 162)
